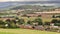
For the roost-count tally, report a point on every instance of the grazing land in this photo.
(24, 31)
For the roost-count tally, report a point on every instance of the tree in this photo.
(16, 18)
(57, 24)
(2, 24)
(53, 16)
(21, 21)
(39, 20)
(29, 22)
(54, 21)
(24, 15)
(8, 22)
(11, 23)
(39, 15)
(14, 21)
(47, 23)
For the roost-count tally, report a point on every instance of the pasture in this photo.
(24, 31)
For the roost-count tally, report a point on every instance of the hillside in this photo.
(33, 7)
(7, 5)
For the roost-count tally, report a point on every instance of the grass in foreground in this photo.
(24, 31)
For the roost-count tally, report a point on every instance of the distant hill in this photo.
(6, 5)
(32, 7)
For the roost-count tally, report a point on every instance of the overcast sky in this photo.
(30, 0)
(24, 0)
(36, 0)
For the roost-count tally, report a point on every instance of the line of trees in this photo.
(16, 22)
(56, 22)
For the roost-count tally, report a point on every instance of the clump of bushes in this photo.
(39, 21)
(34, 24)
(11, 23)
(2, 24)
(56, 22)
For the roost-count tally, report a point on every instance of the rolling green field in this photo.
(24, 31)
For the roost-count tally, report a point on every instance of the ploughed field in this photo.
(24, 31)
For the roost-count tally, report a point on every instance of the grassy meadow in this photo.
(24, 31)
